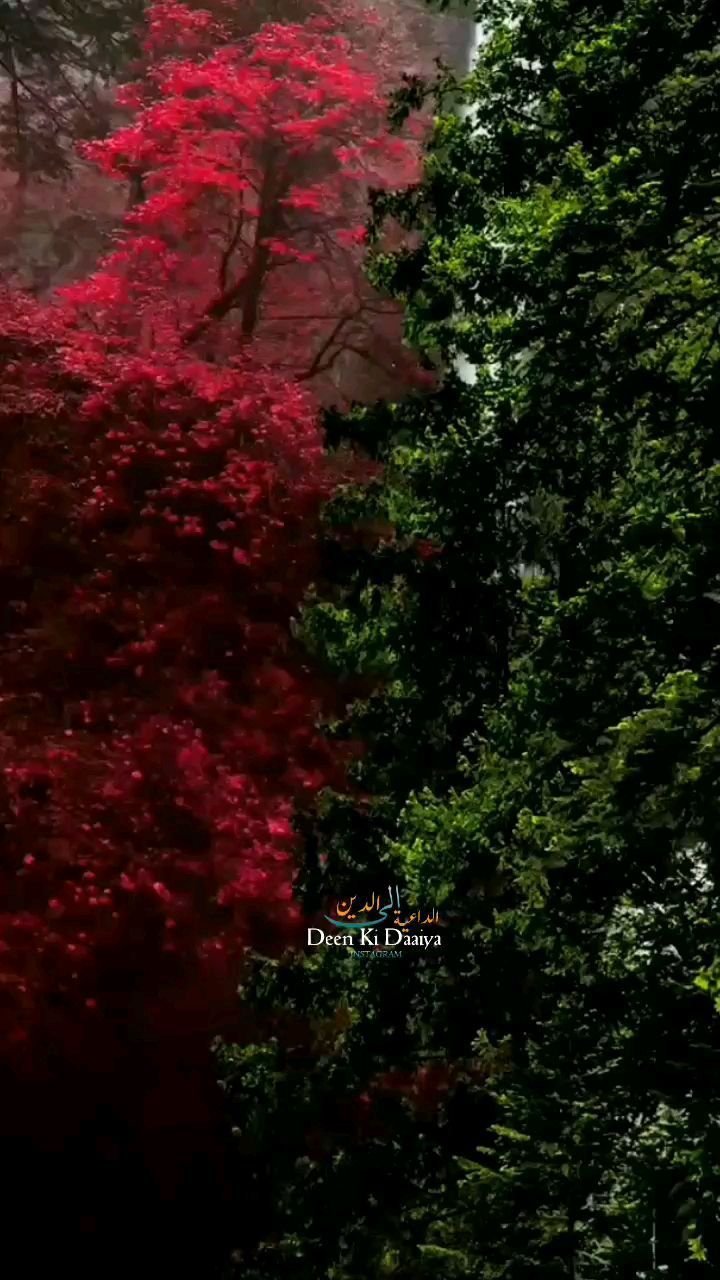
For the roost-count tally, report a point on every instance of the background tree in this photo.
(59, 58)
(59, 65)
(540, 613)
(255, 155)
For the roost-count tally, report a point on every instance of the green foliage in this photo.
(58, 62)
(543, 745)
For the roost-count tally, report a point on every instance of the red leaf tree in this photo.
(161, 499)
(253, 156)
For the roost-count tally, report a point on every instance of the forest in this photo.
(360, 639)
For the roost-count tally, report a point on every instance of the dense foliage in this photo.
(157, 536)
(516, 614)
(542, 748)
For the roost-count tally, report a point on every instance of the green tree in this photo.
(542, 621)
(58, 61)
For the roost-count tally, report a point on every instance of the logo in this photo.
(382, 925)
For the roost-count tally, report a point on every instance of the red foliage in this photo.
(255, 155)
(160, 526)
